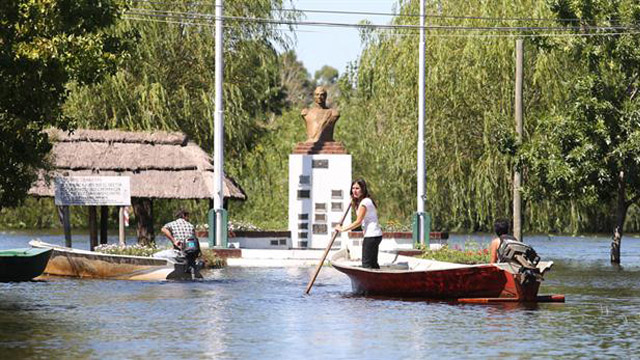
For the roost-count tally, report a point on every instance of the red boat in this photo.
(410, 277)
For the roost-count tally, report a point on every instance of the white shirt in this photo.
(370, 225)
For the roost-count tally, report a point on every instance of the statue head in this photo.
(320, 96)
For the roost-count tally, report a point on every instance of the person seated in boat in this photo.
(367, 216)
(501, 227)
(179, 230)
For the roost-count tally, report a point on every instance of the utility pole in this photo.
(517, 177)
(218, 146)
(420, 220)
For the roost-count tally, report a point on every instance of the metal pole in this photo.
(517, 177)
(421, 110)
(121, 234)
(218, 146)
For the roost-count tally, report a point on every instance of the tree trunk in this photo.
(64, 213)
(143, 209)
(621, 214)
(104, 224)
(93, 227)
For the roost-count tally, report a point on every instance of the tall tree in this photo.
(327, 75)
(469, 116)
(591, 147)
(168, 83)
(295, 78)
(43, 46)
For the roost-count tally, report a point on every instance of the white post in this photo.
(218, 146)
(121, 234)
(421, 110)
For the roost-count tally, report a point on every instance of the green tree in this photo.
(591, 147)
(469, 114)
(327, 75)
(43, 46)
(296, 80)
(168, 83)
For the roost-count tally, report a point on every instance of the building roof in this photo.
(160, 164)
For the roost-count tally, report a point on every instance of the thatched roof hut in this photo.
(161, 165)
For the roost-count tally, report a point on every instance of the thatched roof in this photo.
(160, 164)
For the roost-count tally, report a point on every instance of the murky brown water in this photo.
(241, 313)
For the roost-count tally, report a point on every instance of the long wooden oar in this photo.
(326, 251)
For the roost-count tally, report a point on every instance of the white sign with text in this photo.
(93, 190)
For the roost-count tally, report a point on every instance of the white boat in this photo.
(71, 262)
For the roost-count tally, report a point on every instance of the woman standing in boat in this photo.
(367, 216)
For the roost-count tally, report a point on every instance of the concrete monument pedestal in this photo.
(319, 184)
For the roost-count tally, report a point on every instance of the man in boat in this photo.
(320, 119)
(186, 247)
(179, 230)
(501, 227)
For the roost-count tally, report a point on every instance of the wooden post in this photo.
(517, 177)
(143, 208)
(65, 218)
(121, 235)
(93, 227)
(104, 224)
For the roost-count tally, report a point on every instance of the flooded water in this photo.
(241, 313)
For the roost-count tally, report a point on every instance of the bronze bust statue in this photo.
(320, 119)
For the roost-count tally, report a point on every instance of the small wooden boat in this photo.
(410, 277)
(22, 264)
(89, 264)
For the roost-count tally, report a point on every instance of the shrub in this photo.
(395, 225)
(135, 250)
(211, 260)
(472, 253)
(238, 225)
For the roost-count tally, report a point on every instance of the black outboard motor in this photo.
(516, 252)
(190, 252)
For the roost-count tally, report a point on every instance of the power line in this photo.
(346, 12)
(207, 24)
(211, 17)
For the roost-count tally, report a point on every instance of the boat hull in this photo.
(464, 282)
(476, 282)
(88, 264)
(23, 264)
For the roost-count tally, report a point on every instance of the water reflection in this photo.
(262, 312)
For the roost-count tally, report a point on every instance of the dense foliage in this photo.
(43, 46)
(591, 148)
(168, 82)
(469, 115)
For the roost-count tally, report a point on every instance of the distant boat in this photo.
(410, 277)
(23, 264)
(90, 264)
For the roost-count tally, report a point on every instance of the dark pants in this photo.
(370, 246)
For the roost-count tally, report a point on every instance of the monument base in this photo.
(311, 148)
(319, 195)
